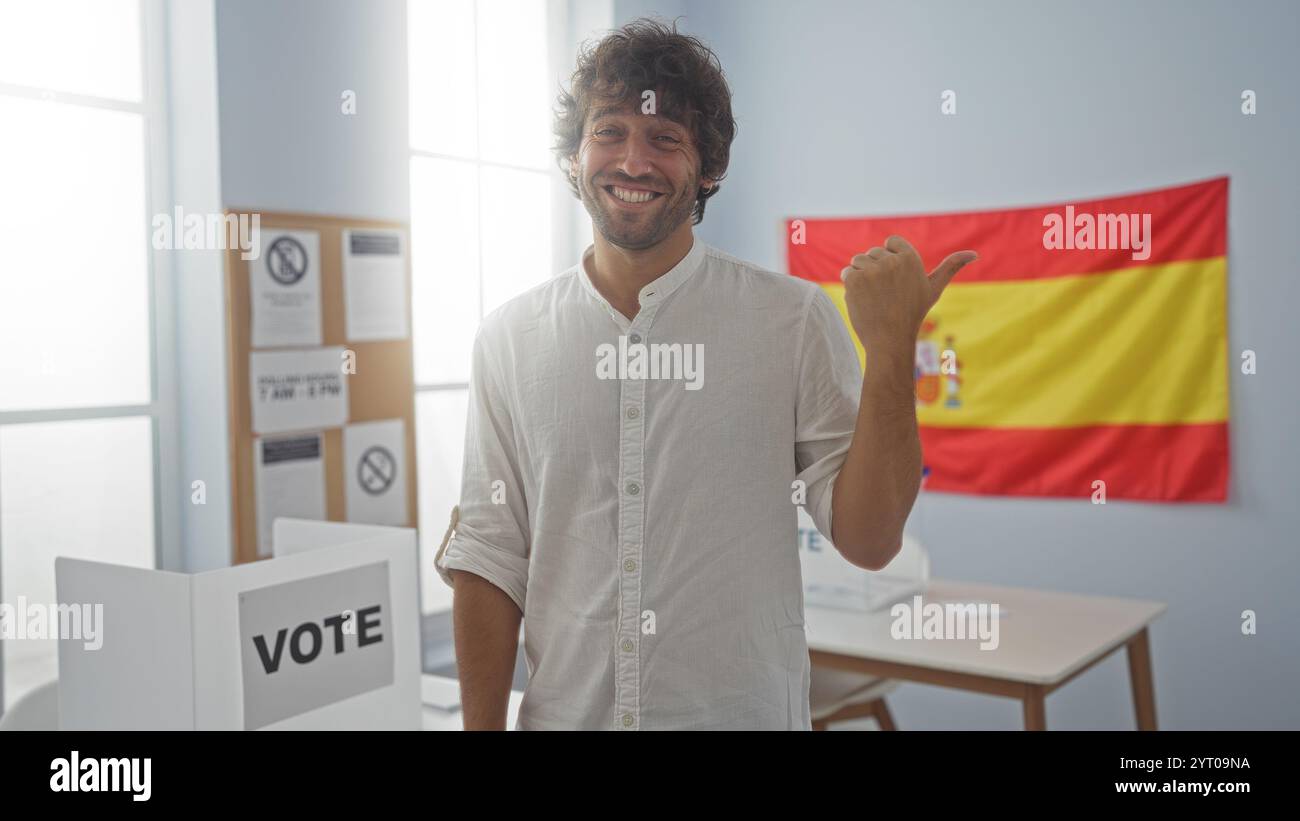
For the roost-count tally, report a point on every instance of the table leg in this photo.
(1035, 701)
(1139, 671)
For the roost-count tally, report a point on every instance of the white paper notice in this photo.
(374, 459)
(298, 390)
(374, 284)
(290, 480)
(284, 289)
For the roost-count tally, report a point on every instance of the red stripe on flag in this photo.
(1161, 463)
(1187, 222)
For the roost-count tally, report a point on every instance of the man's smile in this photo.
(631, 197)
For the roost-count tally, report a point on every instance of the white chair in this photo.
(840, 695)
(37, 710)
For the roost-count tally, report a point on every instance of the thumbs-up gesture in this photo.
(888, 293)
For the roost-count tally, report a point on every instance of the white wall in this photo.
(286, 145)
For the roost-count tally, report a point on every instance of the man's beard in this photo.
(635, 231)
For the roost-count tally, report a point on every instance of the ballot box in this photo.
(829, 580)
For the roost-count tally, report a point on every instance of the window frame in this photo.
(161, 408)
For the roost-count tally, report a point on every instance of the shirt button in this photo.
(633, 412)
(628, 646)
(633, 488)
(627, 719)
(635, 339)
(629, 565)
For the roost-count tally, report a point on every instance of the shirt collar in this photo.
(660, 288)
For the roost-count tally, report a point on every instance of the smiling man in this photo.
(644, 532)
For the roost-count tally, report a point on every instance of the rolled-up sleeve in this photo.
(492, 538)
(826, 409)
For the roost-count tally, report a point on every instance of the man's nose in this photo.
(635, 161)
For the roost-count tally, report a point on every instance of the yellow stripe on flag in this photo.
(1136, 346)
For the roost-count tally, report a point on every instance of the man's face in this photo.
(637, 174)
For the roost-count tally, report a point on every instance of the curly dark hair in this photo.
(689, 87)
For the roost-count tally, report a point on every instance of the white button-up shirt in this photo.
(643, 518)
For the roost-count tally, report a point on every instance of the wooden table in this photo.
(1045, 640)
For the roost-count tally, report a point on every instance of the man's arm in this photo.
(486, 563)
(887, 293)
(486, 623)
(881, 475)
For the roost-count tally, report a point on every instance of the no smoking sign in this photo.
(376, 470)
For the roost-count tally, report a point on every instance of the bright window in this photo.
(482, 216)
(79, 409)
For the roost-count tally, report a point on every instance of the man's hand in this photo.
(888, 293)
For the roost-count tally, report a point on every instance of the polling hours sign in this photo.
(298, 390)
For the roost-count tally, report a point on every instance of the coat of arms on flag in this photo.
(1088, 344)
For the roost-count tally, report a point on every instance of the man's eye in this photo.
(604, 132)
(668, 138)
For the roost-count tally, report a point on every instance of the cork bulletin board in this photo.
(382, 387)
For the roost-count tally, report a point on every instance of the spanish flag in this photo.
(1088, 344)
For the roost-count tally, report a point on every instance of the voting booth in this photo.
(323, 636)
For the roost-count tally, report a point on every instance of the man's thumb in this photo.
(948, 269)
